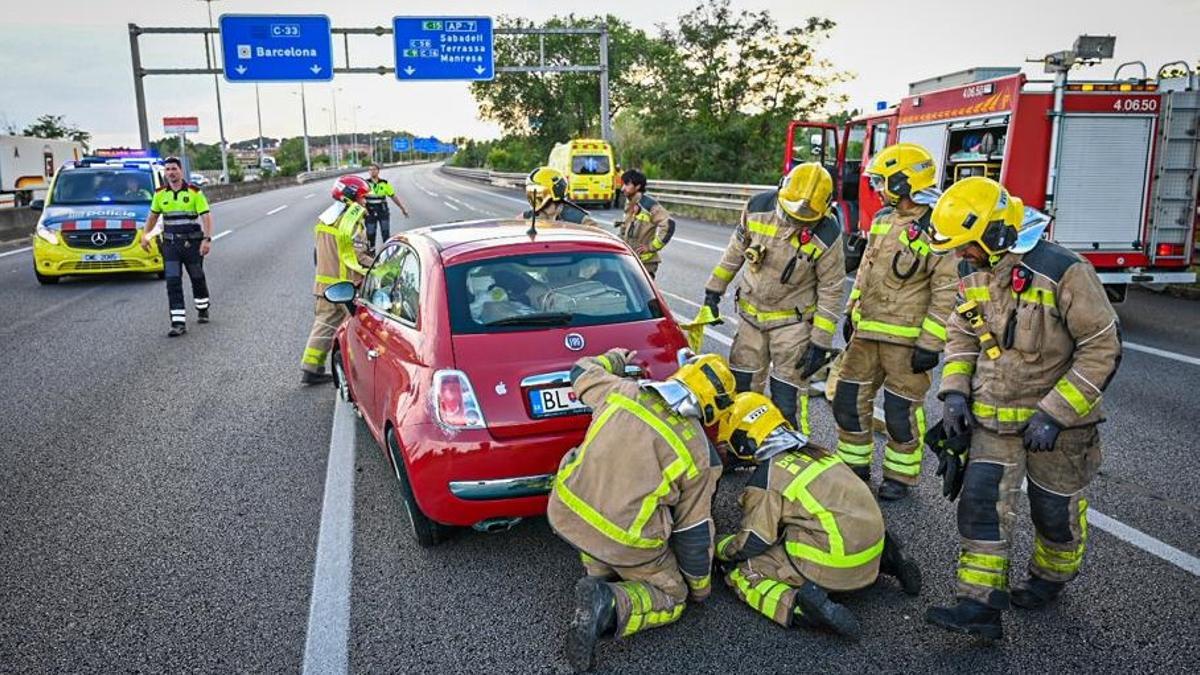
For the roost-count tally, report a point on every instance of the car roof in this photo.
(461, 239)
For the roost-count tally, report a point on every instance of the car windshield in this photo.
(103, 186)
(589, 165)
(548, 290)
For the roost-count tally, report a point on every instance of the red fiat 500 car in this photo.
(458, 351)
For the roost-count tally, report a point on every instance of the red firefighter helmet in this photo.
(352, 188)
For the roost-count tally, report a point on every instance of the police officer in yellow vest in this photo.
(808, 525)
(378, 216)
(341, 252)
(790, 295)
(898, 309)
(187, 231)
(1033, 343)
(636, 498)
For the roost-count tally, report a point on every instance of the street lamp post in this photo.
(354, 135)
(304, 122)
(258, 108)
(337, 154)
(209, 48)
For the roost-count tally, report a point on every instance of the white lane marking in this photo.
(1183, 358)
(472, 188)
(450, 205)
(699, 244)
(310, 195)
(732, 321)
(326, 642)
(16, 251)
(1116, 528)
(462, 203)
(277, 209)
(423, 189)
(222, 234)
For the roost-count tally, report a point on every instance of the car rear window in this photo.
(103, 186)
(589, 165)
(548, 290)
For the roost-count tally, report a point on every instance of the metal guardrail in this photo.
(725, 196)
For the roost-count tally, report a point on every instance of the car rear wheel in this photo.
(339, 376)
(427, 532)
(45, 279)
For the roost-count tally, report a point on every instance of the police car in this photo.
(93, 217)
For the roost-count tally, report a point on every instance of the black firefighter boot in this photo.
(891, 490)
(863, 472)
(895, 564)
(970, 617)
(595, 618)
(1035, 592)
(307, 377)
(814, 609)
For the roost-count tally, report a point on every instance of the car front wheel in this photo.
(427, 532)
(45, 279)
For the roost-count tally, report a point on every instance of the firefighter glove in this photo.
(712, 300)
(1041, 433)
(952, 458)
(956, 414)
(923, 360)
(814, 357)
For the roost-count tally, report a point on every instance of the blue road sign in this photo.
(276, 48)
(400, 144)
(443, 48)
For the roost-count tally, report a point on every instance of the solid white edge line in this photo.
(1182, 358)
(222, 234)
(16, 251)
(1116, 528)
(448, 204)
(326, 642)
(310, 195)
(277, 209)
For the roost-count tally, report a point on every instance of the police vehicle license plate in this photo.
(101, 257)
(556, 401)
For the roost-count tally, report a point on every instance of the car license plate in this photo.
(556, 401)
(101, 257)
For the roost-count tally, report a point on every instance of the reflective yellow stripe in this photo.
(977, 293)
(1002, 414)
(888, 329)
(606, 362)
(855, 293)
(1064, 562)
(766, 316)
(722, 273)
(824, 324)
(699, 584)
(722, 543)
(1071, 393)
(881, 228)
(993, 563)
(657, 244)
(836, 556)
(322, 279)
(920, 415)
(934, 328)
(810, 249)
(771, 597)
(854, 454)
(1037, 295)
(907, 464)
(804, 426)
(998, 581)
(314, 357)
(648, 255)
(958, 368)
(766, 229)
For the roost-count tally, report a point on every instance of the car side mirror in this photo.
(341, 293)
(37, 204)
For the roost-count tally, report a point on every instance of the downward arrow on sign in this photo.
(315, 69)
(241, 70)
(410, 70)
(479, 70)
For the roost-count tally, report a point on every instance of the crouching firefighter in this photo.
(809, 525)
(790, 294)
(636, 497)
(1032, 345)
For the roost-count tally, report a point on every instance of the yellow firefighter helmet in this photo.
(709, 379)
(976, 210)
(805, 192)
(544, 185)
(901, 170)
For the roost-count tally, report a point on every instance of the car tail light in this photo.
(1169, 250)
(457, 407)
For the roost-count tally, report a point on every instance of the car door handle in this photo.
(372, 354)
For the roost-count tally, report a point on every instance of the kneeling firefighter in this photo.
(636, 497)
(809, 525)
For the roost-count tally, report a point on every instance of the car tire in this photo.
(426, 532)
(161, 274)
(44, 279)
(339, 376)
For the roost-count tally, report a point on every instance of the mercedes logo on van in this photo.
(574, 342)
(99, 239)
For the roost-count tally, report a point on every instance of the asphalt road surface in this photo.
(162, 502)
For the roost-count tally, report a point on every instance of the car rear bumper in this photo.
(469, 477)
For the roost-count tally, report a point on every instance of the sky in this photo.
(73, 58)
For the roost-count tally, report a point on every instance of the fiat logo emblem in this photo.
(99, 239)
(574, 342)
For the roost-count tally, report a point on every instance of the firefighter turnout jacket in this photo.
(341, 247)
(563, 212)
(1053, 340)
(795, 270)
(647, 226)
(823, 515)
(642, 481)
(902, 293)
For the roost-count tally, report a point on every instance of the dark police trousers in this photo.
(182, 250)
(381, 219)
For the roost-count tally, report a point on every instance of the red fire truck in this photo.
(1116, 163)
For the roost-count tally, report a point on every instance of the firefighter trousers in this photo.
(756, 352)
(647, 596)
(178, 255)
(986, 509)
(865, 367)
(328, 316)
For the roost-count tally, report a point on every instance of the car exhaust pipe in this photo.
(494, 525)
